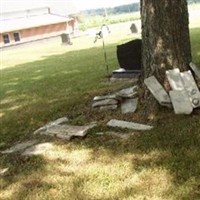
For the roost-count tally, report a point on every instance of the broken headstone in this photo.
(67, 131)
(105, 102)
(175, 79)
(129, 125)
(191, 88)
(53, 123)
(157, 91)
(181, 102)
(109, 107)
(128, 92)
(99, 98)
(129, 105)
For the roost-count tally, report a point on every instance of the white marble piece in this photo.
(181, 102)
(129, 125)
(129, 105)
(175, 79)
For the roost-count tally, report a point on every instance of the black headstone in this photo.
(130, 55)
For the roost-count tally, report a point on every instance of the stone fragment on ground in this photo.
(130, 92)
(19, 146)
(110, 107)
(157, 91)
(129, 125)
(53, 123)
(38, 149)
(67, 131)
(105, 102)
(191, 88)
(195, 69)
(181, 102)
(4, 171)
(129, 105)
(99, 98)
(175, 79)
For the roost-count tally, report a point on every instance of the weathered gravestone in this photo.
(181, 102)
(157, 91)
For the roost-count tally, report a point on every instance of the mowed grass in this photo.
(40, 83)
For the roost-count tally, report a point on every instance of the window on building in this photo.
(16, 37)
(6, 39)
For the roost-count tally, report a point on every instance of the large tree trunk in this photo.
(165, 40)
(165, 36)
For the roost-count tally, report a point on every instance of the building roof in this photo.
(21, 23)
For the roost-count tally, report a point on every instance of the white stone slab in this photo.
(19, 146)
(53, 123)
(128, 92)
(129, 125)
(67, 131)
(181, 102)
(175, 79)
(4, 171)
(157, 91)
(105, 102)
(129, 105)
(99, 98)
(191, 88)
(195, 69)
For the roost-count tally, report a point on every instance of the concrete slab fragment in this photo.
(129, 105)
(191, 88)
(181, 102)
(19, 146)
(38, 149)
(128, 92)
(175, 79)
(67, 131)
(195, 69)
(53, 123)
(129, 125)
(105, 102)
(157, 91)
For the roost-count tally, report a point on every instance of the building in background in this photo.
(33, 24)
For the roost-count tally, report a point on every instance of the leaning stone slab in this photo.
(105, 102)
(53, 123)
(191, 88)
(157, 91)
(67, 131)
(181, 102)
(38, 149)
(195, 69)
(128, 92)
(129, 105)
(19, 146)
(175, 80)
(129, 125)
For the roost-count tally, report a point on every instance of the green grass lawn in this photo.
(42, 82)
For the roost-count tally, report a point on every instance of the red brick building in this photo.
(30, 25)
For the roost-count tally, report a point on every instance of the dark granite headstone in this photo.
(129, 55)
(65, 37)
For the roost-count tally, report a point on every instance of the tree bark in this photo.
(165, 37)
(165, 42)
